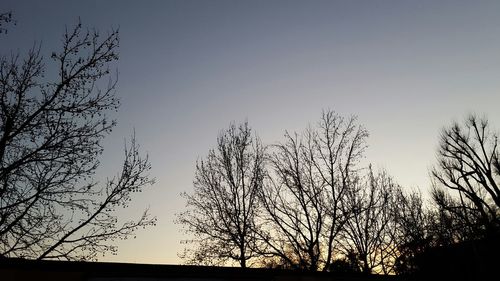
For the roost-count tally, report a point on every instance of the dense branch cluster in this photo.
(5, 19)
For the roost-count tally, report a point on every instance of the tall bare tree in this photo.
(304, 193)
(50, 141)
(293, 201)
(368, 232)
(221, 212)
(468, 174)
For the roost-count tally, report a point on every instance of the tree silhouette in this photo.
(50, 140)
(468, 176)
(221, 212)
(465, 204)
(305, 190)
(369, 229)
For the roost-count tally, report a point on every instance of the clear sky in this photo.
(189, 68)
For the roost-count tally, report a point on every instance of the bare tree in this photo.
(469, 171)
(294, 208)
(221, 212)
(368, 232)
(50, 141)
(304, 192)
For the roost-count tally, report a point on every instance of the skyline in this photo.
(187, 69)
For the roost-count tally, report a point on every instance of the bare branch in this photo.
(50, 143)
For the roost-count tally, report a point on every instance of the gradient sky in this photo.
(189, 68)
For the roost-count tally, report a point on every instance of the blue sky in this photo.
(189, 68)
